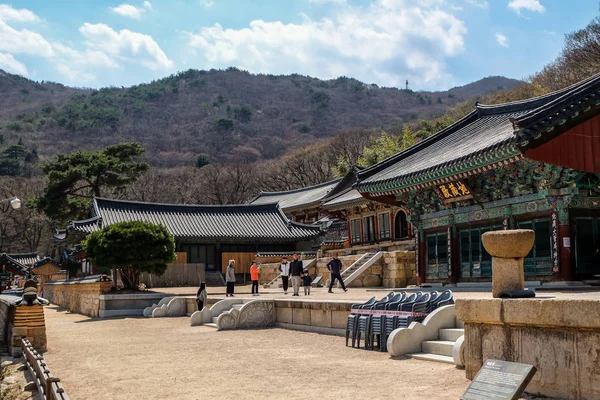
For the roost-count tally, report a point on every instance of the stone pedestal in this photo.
(508, 249)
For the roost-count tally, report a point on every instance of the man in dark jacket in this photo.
(335, 266)
(296, 270)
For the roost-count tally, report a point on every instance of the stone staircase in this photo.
(440, 337)
(277, 281)
(214, 279)
(230, 314)
(442, 349)
(214, 320)
(359, 266)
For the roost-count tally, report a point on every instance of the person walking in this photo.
(254, 270)
(306, 281)
(284, 269)
(296, 270)
(230, 278)
(335, 266)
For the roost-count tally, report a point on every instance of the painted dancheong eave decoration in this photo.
(565, 131)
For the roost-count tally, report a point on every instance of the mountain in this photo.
(218, 113)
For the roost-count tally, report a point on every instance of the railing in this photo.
(363, 267)
(49, 387)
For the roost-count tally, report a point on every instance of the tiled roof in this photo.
(351, 196)
(22, 261)
(551, 119)
(234, 223)
(307, 197)
(486, 131)
(44, 261)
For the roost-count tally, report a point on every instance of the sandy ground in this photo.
(165, 358)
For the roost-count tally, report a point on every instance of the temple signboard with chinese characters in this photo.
(453, 191)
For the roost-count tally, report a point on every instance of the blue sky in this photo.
(435, 44)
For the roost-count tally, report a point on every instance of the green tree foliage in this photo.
(433, 126)
(242, 113)
(132, 248)
(408, 137)
(74, 178)
(202, 161)
(382, 146)
(224, 125)
(17, 160)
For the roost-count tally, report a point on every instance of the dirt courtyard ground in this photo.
(166, 358)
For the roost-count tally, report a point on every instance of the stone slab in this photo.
(283, 314)
(137, 312)
(301, 316)
(320, 318)
(315, 329)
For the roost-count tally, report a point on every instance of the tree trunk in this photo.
(130, 277)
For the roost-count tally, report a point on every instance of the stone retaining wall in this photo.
(399, 269)
(560, 337)
(21, 321)
(77, 296)
(394, 270)
(322, 316)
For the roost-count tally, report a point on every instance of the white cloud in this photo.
(125, 45)
(502, 40)
(477, 3)
(7, 13)
(388, 42)
(23, 41)
(531, 5)
(320, 2)
(207, 3)
(148, 5)
(10, 64)
(103, 48)
(127, 10)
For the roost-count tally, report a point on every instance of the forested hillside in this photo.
(221, 114)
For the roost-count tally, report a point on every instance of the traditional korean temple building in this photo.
(18, 264)
(205, 233)
(369, 223)
(530, 164)
(363, 223)
(300, 205)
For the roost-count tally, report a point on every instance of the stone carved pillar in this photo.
(508, 249)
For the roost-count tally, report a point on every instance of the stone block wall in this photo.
(560, 337)
(78, 297)
(394, 270)
(399, 269)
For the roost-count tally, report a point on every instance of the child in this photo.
(254, 270)
(306, 280)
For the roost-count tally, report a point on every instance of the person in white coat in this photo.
(284, 269)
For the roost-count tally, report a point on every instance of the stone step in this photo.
(214, 320)
(432, 357)
(210, 324)
(440, 347)
(451, 334)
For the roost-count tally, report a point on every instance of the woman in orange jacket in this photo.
(254, 270)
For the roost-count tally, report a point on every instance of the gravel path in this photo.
(165, 358)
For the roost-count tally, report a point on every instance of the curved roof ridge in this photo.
(580, 89)
(207, 206)
(533, 102)
(418, 146)
(318, 185)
